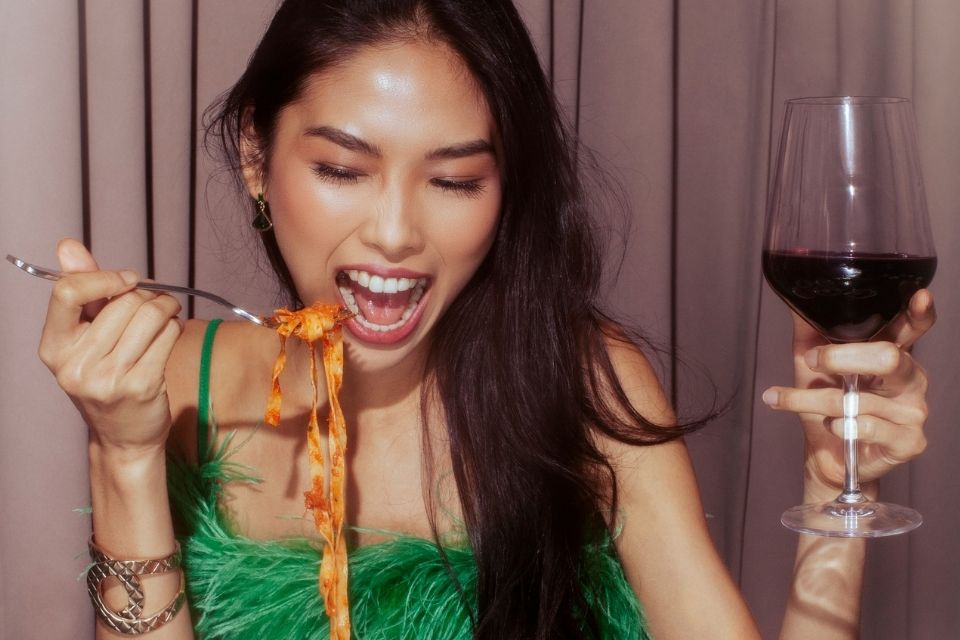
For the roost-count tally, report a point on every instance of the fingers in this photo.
(125, 329)
(70, 294)
(919, 317)
(893, 369)
(911, 410)
(892, 404)
(123, 352)
(149, 321)
(106, 330)
(805, 337)
(111, 361)
(904, 331)
(74, 257)
(899, 443)
(155, 357)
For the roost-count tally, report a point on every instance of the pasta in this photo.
(322, 323)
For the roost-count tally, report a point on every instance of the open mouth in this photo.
(385, 308)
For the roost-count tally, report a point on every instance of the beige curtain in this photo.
(680, 101)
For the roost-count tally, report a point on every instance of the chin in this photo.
(365, 357)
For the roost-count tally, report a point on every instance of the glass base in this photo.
(860, 520)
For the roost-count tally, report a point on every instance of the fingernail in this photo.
(812, 358)
(129, 277)
(770, 397)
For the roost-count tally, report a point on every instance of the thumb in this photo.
(74, 257)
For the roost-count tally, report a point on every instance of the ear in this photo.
(251, 158)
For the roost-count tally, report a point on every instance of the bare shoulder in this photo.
(664, 544)
(239, 352)
(638, 378)
(643, 472)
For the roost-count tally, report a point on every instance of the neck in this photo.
(383, 401)
(382, 387)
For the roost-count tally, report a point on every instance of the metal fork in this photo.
(52, 274)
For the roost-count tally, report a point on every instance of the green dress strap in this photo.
(203, 396)
(401, 589)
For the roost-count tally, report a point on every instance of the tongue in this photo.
(381, 308)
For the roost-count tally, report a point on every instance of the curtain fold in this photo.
(227, 254)
(725, 73)
(932, 581)
(170, 64)
(680, 103)
(42, 439)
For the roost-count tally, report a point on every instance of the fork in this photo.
(52, 274)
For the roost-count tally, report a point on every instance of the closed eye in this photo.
(467, 188)
(332, 173)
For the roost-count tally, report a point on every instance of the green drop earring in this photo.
(262, 222)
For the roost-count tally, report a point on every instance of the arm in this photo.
(828, 572)
(107, 345)
(664, 545)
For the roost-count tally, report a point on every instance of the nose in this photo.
(393, 228)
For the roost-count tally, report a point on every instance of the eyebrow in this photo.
(462, 150)
(353, 143)
(344, 139)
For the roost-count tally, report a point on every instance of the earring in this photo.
(262, 222)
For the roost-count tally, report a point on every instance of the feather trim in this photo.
(401, 589)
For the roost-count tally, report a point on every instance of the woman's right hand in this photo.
(107, 344)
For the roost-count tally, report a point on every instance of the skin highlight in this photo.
(358, 177)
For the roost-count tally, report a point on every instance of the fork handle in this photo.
(54, 275)
(172, 288)
(197, 293)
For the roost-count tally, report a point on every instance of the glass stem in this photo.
(851, 408)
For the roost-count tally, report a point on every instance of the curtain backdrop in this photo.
(680, 101)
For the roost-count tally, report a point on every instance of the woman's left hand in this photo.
(893, 405)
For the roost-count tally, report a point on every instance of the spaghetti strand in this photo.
(312, 324)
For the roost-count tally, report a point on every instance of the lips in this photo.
(387, 305)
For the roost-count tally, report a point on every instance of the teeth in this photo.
(350, 301)
(379, 284)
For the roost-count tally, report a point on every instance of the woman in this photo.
(405, 158)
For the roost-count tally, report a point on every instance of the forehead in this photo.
(416, 87)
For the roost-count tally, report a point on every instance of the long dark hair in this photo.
(519, 363)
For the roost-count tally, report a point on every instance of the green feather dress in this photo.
(399, 589)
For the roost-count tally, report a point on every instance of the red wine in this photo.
(847, 297)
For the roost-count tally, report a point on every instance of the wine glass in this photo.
(847, 244)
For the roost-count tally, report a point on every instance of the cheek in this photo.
(310, 221)
(303, 204)
(468, 240)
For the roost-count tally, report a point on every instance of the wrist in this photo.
(123, 457)
(125, 475)
(128, 493)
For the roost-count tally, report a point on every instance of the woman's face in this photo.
(384, 189)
